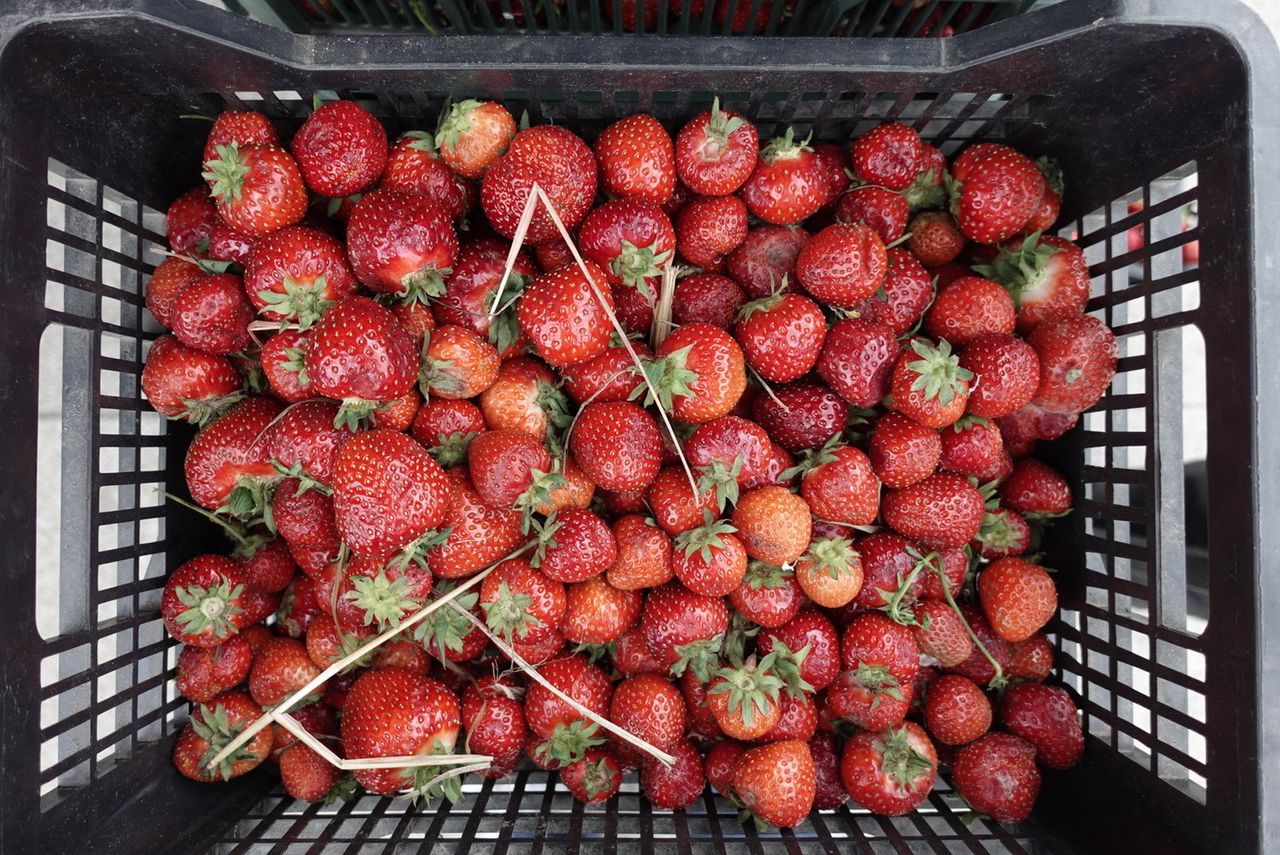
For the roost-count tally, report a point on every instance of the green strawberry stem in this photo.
(999, 681)
(245, 545)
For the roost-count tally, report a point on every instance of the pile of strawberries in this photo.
(783, 532)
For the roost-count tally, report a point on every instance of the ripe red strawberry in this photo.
(942, 510)
(520, 602)
(1004, 532)
(968, 308)
(398, 413)
(598, 613)
(478, 534)
(781, 336)
(870, 698)
(1035, 488)
(283, 359)
(204, 672)
(268, 568)
(839, 484)
(715, 153)
(446, 429)
(211, 728)
(341, 149)
(304, 442)
(617, 444)
(391, 712)
(448, 635)
(239, 126)
(457, 363)
(562, 313)
(709, 228)
(644, 554)
(494, 721)
(183, 383)
(719, 763)
(593, 778)
(890, 773)
(400, 243)
(388, 496)
(280, 668)
(227, 244)
(829, 793)
(1006, 374)
(832, 159)
(684, 630)
(212, 315)
(1046, 717)
(189, 221)
(359, 354)
(1031, 660)
(788, 184)
(709, 560)
(675, 506)
(373, 595)
(555, 159)
(699, 372)
(811, 630)
(903, 297)
(857, 358)
(890, 155)
(565, 732)
(1017, 597)
(775, 782)
(745, 699)
(505, 465)
(972, 447)
(768, 595)
(883, 210)
(298, 608)
(574, 544)
(677, 786)
(257, 188)
(169, 279)
(765, 261)
(297, 273)
(414, 167)
(474, 135)
(205, 601)
(631, 239)
(977, 667)
(650, 707)
(995, 191)
(305, 774)
(887, 564)
(470, 288)
(1077, 362)
(935, 238)
(804, 415)
(778, 462)
(1047, 276)
(611, 376)
(707, 298)
(773, 524)
(940, 633)
(727, 453)
(227, 464)
(873, 641)
(997, 775)
(928, 385)
(637, 159)
(955, 710)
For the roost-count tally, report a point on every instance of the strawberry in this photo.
(765, 261)
(798, 720)
(403, 653)
(633, 309)
(940, 633)
(890, 155)
(804, 415)
(870, 698)
(1023, 427)
(773, 524)
(212, 315)
(227, 465)
(1047, 276)
(632, 239)
(448, 635)
(709, 560)
(978, 667)
(808, 631)
(718, 765)
(414, 167)
(377, 596)
(1006, 374)
(997, 775)
(398, 413)
(205, 601)
(779, 461)
(257, 188)
(856, 361)
(831, 157)
(611, 376)
(204, 672)
(243, 127)
(935, 238)
(1036, 488)
(768, 595)
(268, 567)
(874, 641)
(227, 244)
(928, 188)
(888, 562)
(1077, 362)
(699, 372)
(565, 732)
(520, 602)
(598, 613)
(903, 297)
(170, 278)
(709, 228)
(928, 385)
(942, 510)
(968, 308)
(446, 428)
(401, 243)
(829, 792)
(574, 544)
(298, 607)
(284, 364)
(509, 467)
(972, 447)
(727, 453)
(890, 773)
(1004, 532)
(457, 363)
(839, 484)
(494, 721)
(637, 159)
(675, 507)
(830, 572)
(955, 710)
(1017, 597)
(183, 383)
(296, 273)
(684, 630)
(593, 778)
(478, 534)
(358, 353)
(707, 298)
(631, 656)
(566, 315)
(788, 184)
(745, 699)
(715, 152)
(189, 221)
(650, 707)
(677, 786)
(775, 782)
(1046, 717)
(388, 496)
(473, 135)
(211, 728)
(391, 712)
(470, 288)
(524, 397)
(617, 444)
(280, 668)
(304, 442)
(1031, 660)
(305, 774)
(781, 336)
(555, 159)
(883, 210)
(341, 149)
(994, 192)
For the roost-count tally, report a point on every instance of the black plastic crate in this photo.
(674, 17)
(1164, 101)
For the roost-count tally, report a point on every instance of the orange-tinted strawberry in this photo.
(644, 554)
(457, 363)
(773, 524)
(474, 135)
(598, 613)
(746, 699)
(1017, 597)
(935, 238)
(830, 572)
(775, 782)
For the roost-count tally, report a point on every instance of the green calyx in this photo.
(210, 610)
(900, 761)
(704, 540)
(296, 362)
(940, 376)
(668, 376)
(763, 304)
(416, 550)
(637, 264)
(422, 285)
(445, 629)
(1052, 173)
(536, 495)
(436, 376)
(246, 543)
(788, 665)
(455, 123)
(698, 656)
(597, 777)
(421, 141)
(545, 532)
(899, 604)
(812, 458)
(508, 613)
(722, 125)
(741, 631)
(305, 481)
(555, 406)
(355, 413)
(569, 742)
(762, 574)
(214, 726)
(383, 600)
(420, 779)
(784, 147)
(877, 680)
(926, 192)
(595, 652)
(226, 173)
(504, 328)
(1020, 269)
(720, 479)
(752, 688)
(302, 304)
(333, 206)
(249, 498)
(200, 412)
(832, 555)
(451, 449)
(998, 533)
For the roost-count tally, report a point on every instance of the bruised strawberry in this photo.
(856, 361)
(341, 149)
(189, 221)
(883, 210)
(402, 244)
(212, 315)
(707, 298)
(765, 261)
(204, 672)
(414, 167)
(889, 155)
(359, 354)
